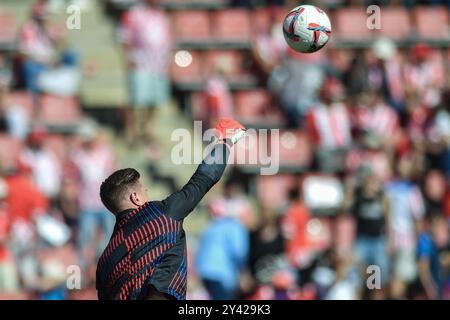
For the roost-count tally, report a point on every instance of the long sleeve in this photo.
(179, 204)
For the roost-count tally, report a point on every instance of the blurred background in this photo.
(87, 87)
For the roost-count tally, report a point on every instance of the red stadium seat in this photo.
(395, 23)
(198, 106)
(432, 22)
(57, 144)
(322, 192)
(231, 25)
(273, 191)
(21, 99)
(260, 20)
(295, 151)
(190, 73)
(7, 25)
(255, 108)
(231, 62)
(351, 24)
(251, 152)
(59, 111)
(10, 149)
(192, 25)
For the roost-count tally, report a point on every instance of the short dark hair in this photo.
(113, 188)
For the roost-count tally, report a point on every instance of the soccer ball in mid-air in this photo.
(306, 28)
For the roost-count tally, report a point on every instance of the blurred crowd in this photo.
(378, 119)
(51, 216)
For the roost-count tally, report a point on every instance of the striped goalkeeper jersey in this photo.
(148, 244)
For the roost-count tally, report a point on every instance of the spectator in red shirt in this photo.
(294, 225)
(24, 199)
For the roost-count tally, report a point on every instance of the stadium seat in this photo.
(57, 143)
(190, 73)
(191, 25)
(186, 4)
(20, 99)
(432, 22)
(395, 23)
(10, 149)
(260, 20)
(228, 61)
(250, 154)
(231, 25)
(59, 112)
(273, 191)
(323, 193)
(198, 106)
(350, 24)
(7, 26)
(255, 108)
(236, 65)
(295, 151)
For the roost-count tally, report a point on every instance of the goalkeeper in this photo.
(146, 255)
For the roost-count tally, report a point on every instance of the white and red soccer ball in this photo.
(307, 28)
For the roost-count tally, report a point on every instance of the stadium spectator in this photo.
(430, 267)
(371, 211)
(329, 126)
(394, 117)
(374, 116)
(424, 75)
(441, 132)
(267, 246)
(231, 214)
(222, 254)
(40, 59)
(406, 209)
(368, 149)
(146, 38)
(296, 82)
(268, 46)
(218, 98)
(95, 161)
(294, 225)
(45, 168)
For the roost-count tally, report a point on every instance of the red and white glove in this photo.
(230, 129)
